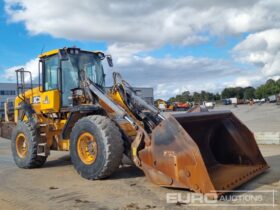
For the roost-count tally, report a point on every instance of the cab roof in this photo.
(55, 51)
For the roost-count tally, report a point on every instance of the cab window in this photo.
(50, 73)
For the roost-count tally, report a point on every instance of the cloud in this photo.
(261, 49)
(170, 76)
(147, 23)
(246, 80)
(32, 66)
(133, 27)
(124, 50)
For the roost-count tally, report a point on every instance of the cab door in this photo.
(50, 98)
(69, 81)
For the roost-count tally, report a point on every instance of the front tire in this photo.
(24, 143)
(96, 147)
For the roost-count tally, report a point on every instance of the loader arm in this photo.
(117, 113)
(140, 108)
(94, 92)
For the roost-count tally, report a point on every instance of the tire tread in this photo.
(112, 140)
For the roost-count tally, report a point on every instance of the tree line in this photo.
(271, 87)
(196, 96)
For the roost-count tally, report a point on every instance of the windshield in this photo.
(91, 64)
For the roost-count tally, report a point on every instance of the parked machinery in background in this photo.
(209, 104)
(161, 105)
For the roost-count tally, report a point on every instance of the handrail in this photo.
(21, 86)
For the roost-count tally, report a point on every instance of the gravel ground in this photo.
(58, 186)
(259, 118)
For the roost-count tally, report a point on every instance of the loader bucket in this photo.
(207, 152)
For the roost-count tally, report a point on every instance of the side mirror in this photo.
(110, 60)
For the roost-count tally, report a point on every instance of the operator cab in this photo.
(61, 70)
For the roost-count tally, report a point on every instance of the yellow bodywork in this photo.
(45, 103)
(129, 130)
(48, 103)
(49, 53)
(47, 106)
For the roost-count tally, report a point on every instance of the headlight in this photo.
(73, 51)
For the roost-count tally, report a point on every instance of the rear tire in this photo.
(24, 144)
(101, 156)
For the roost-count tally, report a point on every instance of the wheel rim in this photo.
(87, 148)
(21, 145)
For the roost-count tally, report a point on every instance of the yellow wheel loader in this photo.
(206, 152)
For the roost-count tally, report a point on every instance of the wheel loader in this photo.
(69, 110)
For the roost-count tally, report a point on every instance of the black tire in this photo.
(109, 147)
(31, 160)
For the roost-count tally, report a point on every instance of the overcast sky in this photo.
(171, 46)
